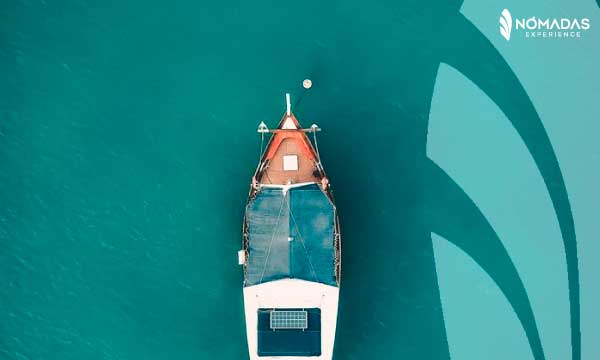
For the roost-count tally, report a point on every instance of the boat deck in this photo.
(275, 173)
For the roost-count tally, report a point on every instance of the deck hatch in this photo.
(290, 162)
(289, 319)
(289, 341)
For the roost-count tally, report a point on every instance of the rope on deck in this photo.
(272, 238)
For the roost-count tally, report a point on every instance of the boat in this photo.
(291, 249)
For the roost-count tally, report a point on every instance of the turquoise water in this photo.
(127, 143)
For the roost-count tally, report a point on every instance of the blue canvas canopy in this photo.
(291, 235)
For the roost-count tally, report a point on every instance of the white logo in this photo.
(542, 27)
(505, 24)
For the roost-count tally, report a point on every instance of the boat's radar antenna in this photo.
(262, 128)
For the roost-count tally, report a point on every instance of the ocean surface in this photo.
(128, 140)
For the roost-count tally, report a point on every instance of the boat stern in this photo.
(291, 319)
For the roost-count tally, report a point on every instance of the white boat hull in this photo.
(292, 293)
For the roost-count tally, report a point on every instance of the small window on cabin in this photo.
(290, 162)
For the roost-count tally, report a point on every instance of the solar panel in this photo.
(289, 319)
